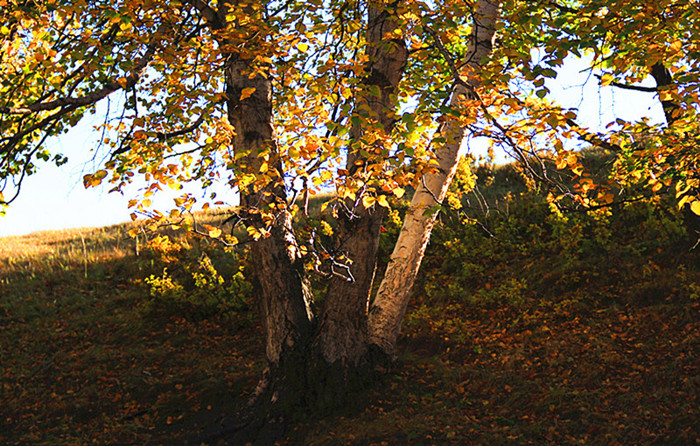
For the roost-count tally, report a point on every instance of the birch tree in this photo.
(370, 100)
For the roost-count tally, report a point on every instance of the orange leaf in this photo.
(247, 92)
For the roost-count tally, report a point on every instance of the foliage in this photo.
(166, 60)
(524, 248)
(281, 98)
(198, 290)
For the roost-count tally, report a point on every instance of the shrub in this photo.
(191, 286)
(524, 252)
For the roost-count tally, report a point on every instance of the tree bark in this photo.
(285, 298)
(285, 303)
(672, 112)
(663, 78)
(311, 363)
(389, 306)
(343, 321)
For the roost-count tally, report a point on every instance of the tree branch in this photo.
(630, 87)
(183, 131)
(210, 15)
(93, 97)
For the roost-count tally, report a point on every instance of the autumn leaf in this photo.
(561, 162)
(247, 92)
(695, 207)
(382, 201)
(368, 201)
(398, 192)
(212, 231)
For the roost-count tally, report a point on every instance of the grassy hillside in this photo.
(527, 327)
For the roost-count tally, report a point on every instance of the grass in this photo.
(83, 363)
(565, 346)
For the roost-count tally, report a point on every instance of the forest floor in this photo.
(82, 362)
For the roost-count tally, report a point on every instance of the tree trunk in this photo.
(285, 299)
(317, 362)
(343, 321)
(285, 303)
(310, 364)
(390, 304)
(672, 112)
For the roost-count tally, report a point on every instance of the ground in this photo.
(86, 359)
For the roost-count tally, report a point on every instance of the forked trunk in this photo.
(317, 362)
(311, 363)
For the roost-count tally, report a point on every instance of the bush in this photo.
(191, 286)
(523, 252)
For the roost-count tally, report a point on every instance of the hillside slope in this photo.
(526, 327)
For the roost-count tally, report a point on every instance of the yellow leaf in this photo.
(685, 199)
(214, 232)
(606, 79)
(303, 47)
(247, 92)
(368, 201)
(398, 192)
(695, 207)
(93, 180)
(382, 201)
(146, 202)
(254, 233)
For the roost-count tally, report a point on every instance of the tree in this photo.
(369, 99)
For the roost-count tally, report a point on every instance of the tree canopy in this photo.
(165, 61)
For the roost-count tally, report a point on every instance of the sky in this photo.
(54, 198)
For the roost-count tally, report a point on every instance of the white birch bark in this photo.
(389, 306)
